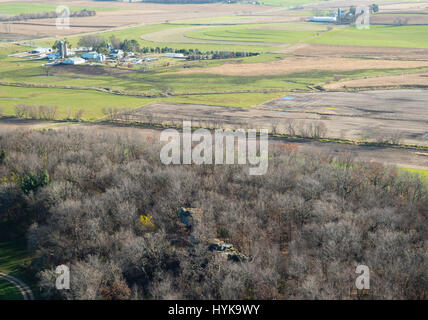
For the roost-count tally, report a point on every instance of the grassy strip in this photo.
(9, 48)
(423, 174)
(67, 100)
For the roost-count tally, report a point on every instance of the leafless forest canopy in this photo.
(107, 207)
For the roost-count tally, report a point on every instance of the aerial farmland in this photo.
(323, 86)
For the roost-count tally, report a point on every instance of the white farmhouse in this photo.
(41, 50)
(74, 61)
(174, 55)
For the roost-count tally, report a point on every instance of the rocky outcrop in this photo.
(192, 219)
(226, 250)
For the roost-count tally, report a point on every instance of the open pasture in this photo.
(423, 174)
(377, 36)
(68, 101)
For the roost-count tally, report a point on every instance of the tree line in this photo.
(44, 112)
(100, 44)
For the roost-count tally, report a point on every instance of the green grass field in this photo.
(15, 8)
(67, 99)
(263, 33)
(7, 48)
(377, 36)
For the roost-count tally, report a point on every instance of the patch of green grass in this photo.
(185, 83)
(10, 48)
(423, 174)
(305, 13)
(15, 8)
(377, 36)
(67, 99)
(13, 254)
(8, 291)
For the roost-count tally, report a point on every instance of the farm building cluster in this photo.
(344, 16)
(81, 55)
(60, 53)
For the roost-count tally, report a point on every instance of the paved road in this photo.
(21, 286)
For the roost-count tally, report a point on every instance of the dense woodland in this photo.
(105, 205)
